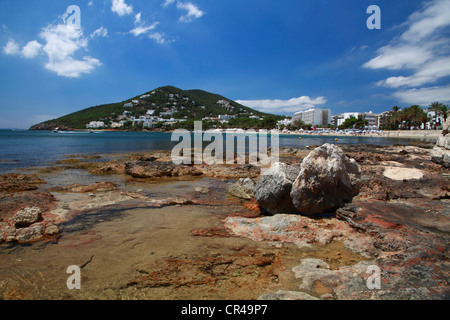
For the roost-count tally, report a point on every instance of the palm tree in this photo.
(396, 117)
(435, 108)
(413, 116)
(443, 111)
(440, 110)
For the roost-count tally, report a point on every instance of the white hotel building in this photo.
(316, 117)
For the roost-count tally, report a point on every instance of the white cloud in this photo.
(424, 96)
(428, 73)
(11, 48)
(167, 3)
(63, 41)
(291, 105)
(141, 27)
(193, 12)
(121, 8)
(32, 49)
(397, 57)
(159, 37)
(91, 3)
(137, 18)
(143, 30)
(422, 50)
(424, 24)
(100, 32)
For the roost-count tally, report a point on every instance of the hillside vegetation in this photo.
(189, 105)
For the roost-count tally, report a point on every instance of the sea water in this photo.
(24, 148)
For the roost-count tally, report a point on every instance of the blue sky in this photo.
(274, 56)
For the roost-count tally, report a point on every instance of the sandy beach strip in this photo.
(413, 134)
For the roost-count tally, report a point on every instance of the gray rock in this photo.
(27, 216)
(51, 230)
(441, 152)
(30, 234)
(272, 191)
(158, 169)
(327, 180)
(243, 188)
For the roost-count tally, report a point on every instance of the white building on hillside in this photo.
(284, 122)
(226, 117)
(95, 125)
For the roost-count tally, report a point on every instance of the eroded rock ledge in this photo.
(399, 221)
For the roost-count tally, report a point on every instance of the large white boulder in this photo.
(327, 180)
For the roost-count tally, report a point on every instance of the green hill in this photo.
(166, 102)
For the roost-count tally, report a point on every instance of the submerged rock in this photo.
(243, 188)
(78, 188)
(327, 180)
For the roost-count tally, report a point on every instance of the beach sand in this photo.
(410, 134)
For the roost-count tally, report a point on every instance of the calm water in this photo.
(22, 149)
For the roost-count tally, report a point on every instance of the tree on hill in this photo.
(189, 104)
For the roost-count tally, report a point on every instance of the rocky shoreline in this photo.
(389, 205)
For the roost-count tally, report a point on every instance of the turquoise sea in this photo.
(23, 148)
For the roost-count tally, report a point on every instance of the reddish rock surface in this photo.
(12, 203)
(77, 188)
(406, 226)
(15, 182)
(245, 268)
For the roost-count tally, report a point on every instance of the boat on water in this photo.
(56, 130)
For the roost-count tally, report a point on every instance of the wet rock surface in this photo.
(399, 222)
(16, 182)
(24, 211)
(245, 267)
(243, 188)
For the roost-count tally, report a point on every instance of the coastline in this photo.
(412, 134)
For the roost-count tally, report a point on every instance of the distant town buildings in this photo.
(372, 119)
(226, 117)
(315, 117)
(96, 125)
(148, 114)
(225, 104)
